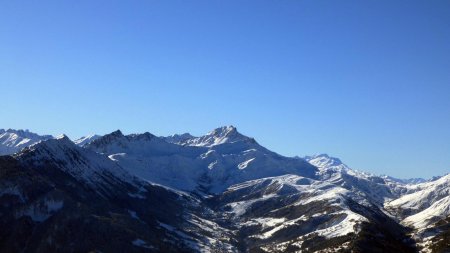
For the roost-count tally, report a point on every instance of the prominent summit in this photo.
(209, 163)
(218, 136)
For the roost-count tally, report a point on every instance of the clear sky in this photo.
(366, 81)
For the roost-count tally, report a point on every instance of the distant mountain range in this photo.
(221, 192)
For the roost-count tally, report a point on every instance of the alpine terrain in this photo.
(221, 192)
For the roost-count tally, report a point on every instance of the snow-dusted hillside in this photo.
(89, 167)
(424, 196)
(425, 209)
(291, 213)
(12, 141)
(376, 189)
(416, 204)
(81, 199)
(429, 202)
(221, 192)
(213, 162)
(314, 208)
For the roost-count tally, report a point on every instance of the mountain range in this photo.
(220, 192)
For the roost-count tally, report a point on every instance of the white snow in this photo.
(244, 165)
(438, 210)
(344, 227)
(424, 194)
(429, 202)
(241, 207)
(86, 139)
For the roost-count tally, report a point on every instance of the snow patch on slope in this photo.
(86, 139)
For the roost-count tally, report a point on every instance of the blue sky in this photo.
(366, 81)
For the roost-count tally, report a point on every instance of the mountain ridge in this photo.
(257, 199)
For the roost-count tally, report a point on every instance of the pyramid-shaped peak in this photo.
(116, 133)
(55, 145)
(223, 131)
(220, 135)
(63, 138)
(114, 137)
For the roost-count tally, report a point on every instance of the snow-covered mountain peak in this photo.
(114, 137)
(223, 131)
(145, 144)
(12, 141)
(62, 137)
(218, 136)
(83, 164)
(263, 200)
(61, 142)
(324, 161)
(24, 133)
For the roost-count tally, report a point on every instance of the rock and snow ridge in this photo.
(429, 202)
(86, 139)
(87, 166)
(213, 162)
(416, 203)
(223, 143)
(59, 189)
(221, 135)
(12, 141)
(248, 177)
